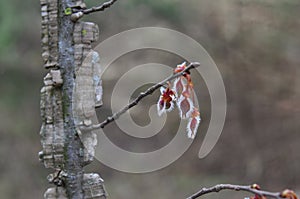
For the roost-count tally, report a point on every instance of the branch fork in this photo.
(81, 12)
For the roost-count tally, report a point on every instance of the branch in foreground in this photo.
(149, 91)
(99, 8)
(255, 189)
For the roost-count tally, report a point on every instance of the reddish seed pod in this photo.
(183, 95)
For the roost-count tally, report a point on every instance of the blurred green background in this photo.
(255, 44)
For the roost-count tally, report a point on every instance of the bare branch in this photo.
(252, 189)
(149, 91)
(99, 8)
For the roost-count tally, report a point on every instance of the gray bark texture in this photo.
(73, 144)
(72, 89)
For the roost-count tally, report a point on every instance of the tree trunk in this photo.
(69, 97)
(73, 145)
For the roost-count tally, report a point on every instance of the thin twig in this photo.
(99, 8)
(149, 91)
(250, 189)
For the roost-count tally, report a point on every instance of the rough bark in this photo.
(72, 89)
(73, 145)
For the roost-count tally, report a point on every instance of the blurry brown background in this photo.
(255, 44)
